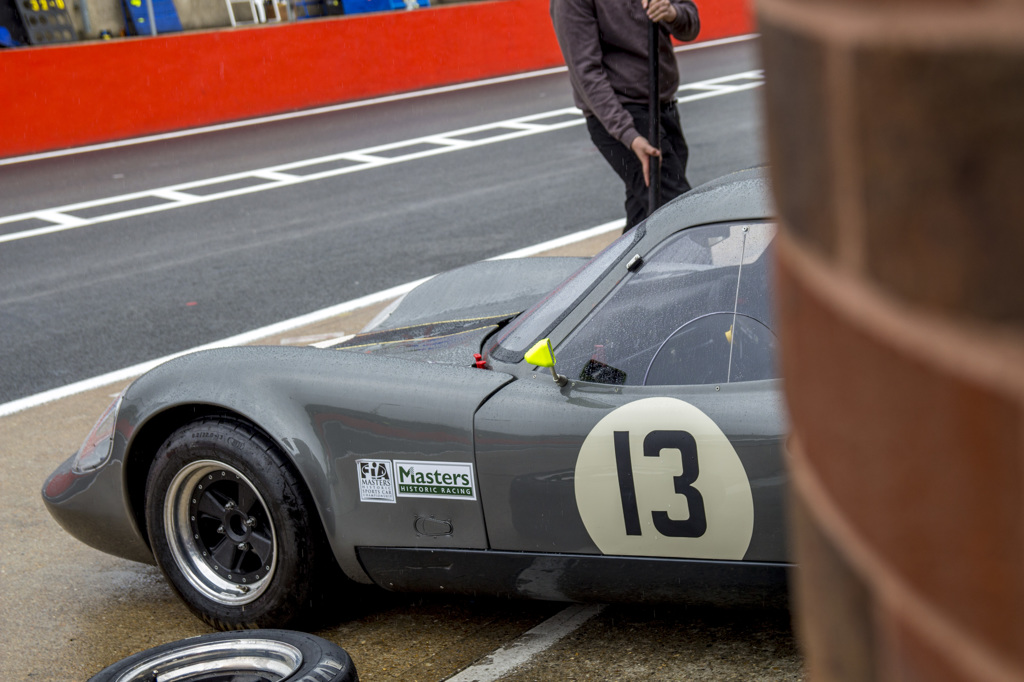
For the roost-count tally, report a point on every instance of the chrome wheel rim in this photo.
(220, 533)
(262, 660)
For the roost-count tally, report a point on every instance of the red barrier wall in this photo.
(69, 95)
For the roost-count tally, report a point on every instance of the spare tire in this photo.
(240, 656)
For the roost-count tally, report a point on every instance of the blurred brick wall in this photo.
(896, 137)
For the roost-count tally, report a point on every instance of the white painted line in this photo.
(60, 219)
(31, 401)
(368, 159)
(279, 117)
(719, 41)
(529, 644)
(174, 196)
(564, 241)
(332, 341)
(335, 107)
(275, 176)
(178, 196)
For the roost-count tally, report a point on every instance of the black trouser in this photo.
(674, 154)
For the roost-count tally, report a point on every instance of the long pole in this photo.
(86, 20)
(152, 17)
(654, 113)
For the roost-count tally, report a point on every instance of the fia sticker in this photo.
(376, 480)
(657, 477)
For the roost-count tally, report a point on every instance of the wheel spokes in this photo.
(262, 546)
(224, 554)
(210, 505)
(232, 526)
(240, 556)
(246, 499)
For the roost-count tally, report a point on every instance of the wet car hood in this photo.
(483, 289)
(451, 341)
(447, 318)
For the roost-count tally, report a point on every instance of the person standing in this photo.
(605, 44)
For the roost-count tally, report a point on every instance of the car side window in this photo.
(697, 311)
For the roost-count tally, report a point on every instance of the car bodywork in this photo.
(432, 469)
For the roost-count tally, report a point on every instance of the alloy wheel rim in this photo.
(251, 659)
(220, 532)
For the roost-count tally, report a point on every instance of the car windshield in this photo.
(539, 320)
(697, 311)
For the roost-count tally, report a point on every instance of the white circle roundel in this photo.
(657, 477)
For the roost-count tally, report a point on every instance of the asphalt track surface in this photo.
(108, 294)
(86, 301)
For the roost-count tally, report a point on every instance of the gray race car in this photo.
(444, 449)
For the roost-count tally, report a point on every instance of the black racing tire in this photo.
(233, 528)
(250, 656)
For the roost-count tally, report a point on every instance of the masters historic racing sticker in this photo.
(376, 480)
(657, 477)
(383, 480)
(446, 480)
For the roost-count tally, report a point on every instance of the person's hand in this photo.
(644, 151)
(659, 10)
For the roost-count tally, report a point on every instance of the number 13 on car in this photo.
(657, 477)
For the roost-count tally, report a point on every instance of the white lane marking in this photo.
(332, 108)
(327, 343)
(281, 117)
(564, 241)
(31, 401)
(173, 196)
(532, 642)
(177, 196)
(61, 220)
(725, 85)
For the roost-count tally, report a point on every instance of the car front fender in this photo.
(325, 409)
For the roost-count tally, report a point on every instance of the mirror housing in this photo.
(541, 355)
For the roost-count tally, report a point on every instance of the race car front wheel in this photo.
(259, 656)
(232, 526)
